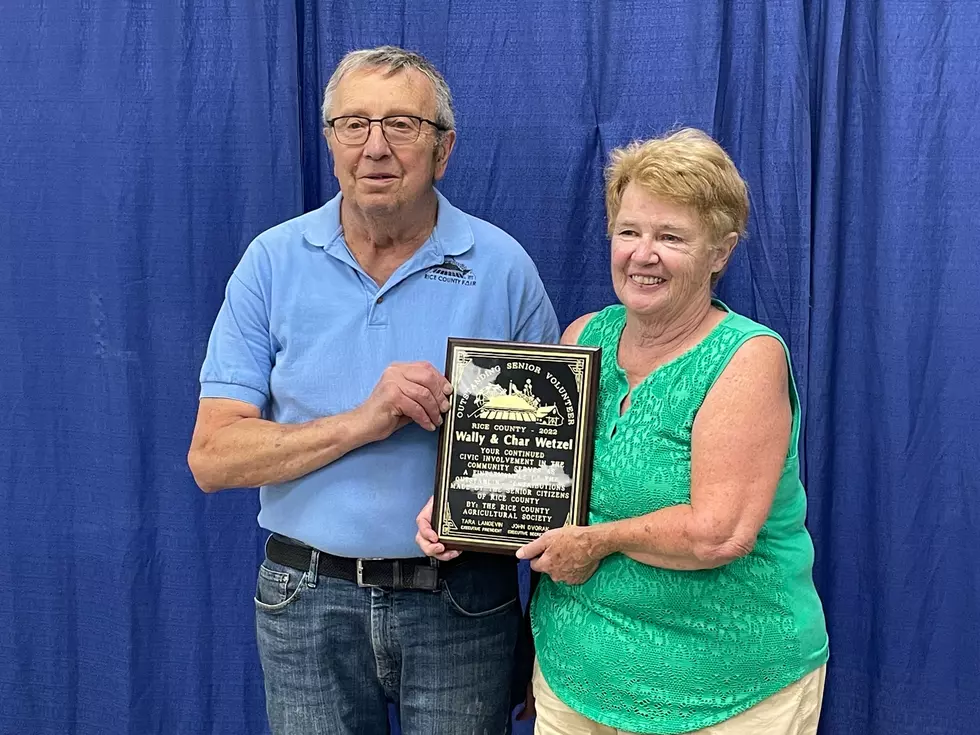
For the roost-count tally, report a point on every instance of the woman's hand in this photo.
(428, 539)
(568, 554)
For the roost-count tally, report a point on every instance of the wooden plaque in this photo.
(515, 449)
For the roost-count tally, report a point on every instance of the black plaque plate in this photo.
(515, 449)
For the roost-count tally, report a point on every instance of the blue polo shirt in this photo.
(304, 333)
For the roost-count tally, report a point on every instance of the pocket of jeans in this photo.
(475, 590)
(277, 589)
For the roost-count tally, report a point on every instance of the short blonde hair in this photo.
(685, 167)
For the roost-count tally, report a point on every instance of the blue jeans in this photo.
(334, 654)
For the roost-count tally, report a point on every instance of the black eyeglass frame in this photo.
(381, 120)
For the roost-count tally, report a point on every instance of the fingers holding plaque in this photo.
(515, 449)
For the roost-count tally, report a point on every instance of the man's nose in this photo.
(376, 145)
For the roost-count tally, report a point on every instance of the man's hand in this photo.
(568, 554)
(428, 539)
(406, 392)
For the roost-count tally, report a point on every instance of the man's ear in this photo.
(444, 149)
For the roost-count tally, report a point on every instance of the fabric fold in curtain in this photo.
(892, 430)
(142, 147)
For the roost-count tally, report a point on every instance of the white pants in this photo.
(794, 710)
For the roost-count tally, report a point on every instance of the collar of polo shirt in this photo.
(452, 234)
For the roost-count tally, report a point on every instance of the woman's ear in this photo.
(723, 252)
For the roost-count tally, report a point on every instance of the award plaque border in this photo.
(584, 436)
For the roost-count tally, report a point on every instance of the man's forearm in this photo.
(251, 451)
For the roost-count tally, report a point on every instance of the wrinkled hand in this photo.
(568, 554)
(406, 392)
(428, 539)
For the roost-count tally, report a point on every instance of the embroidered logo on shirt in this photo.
(451, 271)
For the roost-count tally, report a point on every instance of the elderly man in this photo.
(323, 385)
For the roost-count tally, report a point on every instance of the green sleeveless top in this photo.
(653, 650)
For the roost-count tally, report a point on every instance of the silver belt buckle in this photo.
(359, 571)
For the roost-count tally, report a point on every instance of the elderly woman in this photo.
(687, 605)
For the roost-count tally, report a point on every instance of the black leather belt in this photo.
(419, 573)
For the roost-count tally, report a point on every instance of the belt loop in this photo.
(312, 576)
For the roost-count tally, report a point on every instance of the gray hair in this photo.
(393, 59)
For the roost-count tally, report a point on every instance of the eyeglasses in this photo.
(397, 129)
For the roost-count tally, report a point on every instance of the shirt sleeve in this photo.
(241, 350)
(537, 321)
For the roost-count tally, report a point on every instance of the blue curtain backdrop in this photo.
(143, 144)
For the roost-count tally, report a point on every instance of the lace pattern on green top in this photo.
(653, 650)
